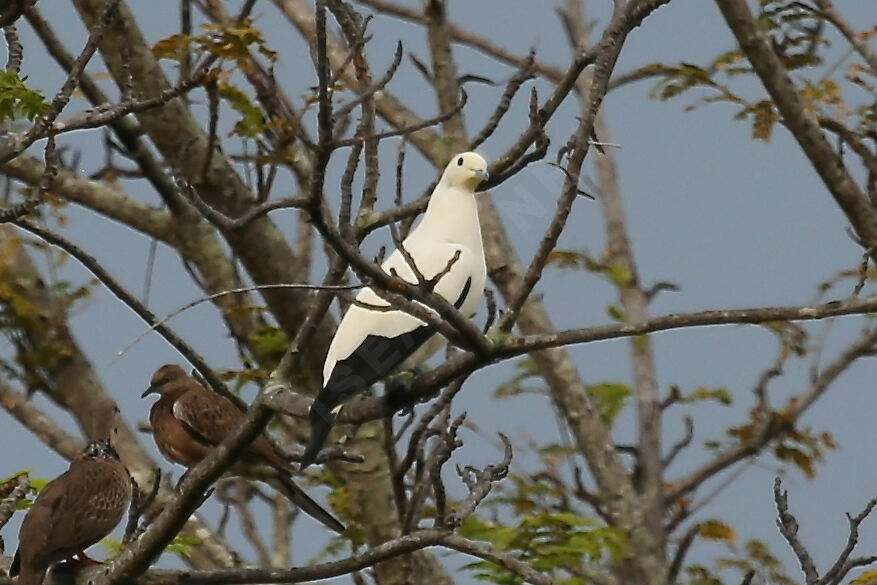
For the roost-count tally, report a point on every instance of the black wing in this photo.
(375, 357)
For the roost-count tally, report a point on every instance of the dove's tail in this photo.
(305, 503)
(26, 575)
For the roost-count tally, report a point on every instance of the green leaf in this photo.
(24, 503)
(764, 117)
(620, 275)
(172, 47)
(38, 483)
(527, 370)
(610, 399)
(16, 99)
(112, 545)
(14, 476)
(616, 313)
(182, 545)
(270, 339)
(701, 393)
(253, 121)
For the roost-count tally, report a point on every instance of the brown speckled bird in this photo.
(76, 509)
(188, 421)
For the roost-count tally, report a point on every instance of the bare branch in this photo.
(771, 427)
(13, 48)
(402, 545)
(42, 426)
(488, 553)
(681, 550)
(828, 11)
(408, 130)
(524, 73)
(480, 482)
(789, 528)
(346, 108)
(466, 38)
(60, 100)
(844, 563)
(160, 322)
(50, 171)
(104, 114)
(129, 300)
(800, 122)
(684, 442)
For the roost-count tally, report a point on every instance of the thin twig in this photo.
(524, 73)
(129, 300)
(480, 482)
(42, 125)
(411, 129)
(838, 570)
(789, 528)
(13, 48)
(156, 324)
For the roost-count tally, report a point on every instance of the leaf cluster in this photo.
(17, 99)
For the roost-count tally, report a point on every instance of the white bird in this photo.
(370, 344)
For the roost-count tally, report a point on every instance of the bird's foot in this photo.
(81, 559)
(395, 393)
(396, 390)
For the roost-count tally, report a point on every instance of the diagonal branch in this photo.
(771, 428)
(829, 12)
(800, 121)
(42, 126)
(129, 300)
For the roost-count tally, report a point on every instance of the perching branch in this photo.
(428, 383)
(402, 545)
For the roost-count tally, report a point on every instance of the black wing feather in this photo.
(375, 357)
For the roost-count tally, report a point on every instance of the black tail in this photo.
(15, 567)
(322, 420)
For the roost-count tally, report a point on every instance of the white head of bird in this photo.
(466, 171)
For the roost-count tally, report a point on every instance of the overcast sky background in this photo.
(736, 223)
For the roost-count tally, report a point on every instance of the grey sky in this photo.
(734, 222)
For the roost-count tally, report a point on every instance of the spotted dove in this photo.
(188, 421)
(76, 509)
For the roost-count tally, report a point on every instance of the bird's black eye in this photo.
(460, 162)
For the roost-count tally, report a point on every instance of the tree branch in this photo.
(800, 121)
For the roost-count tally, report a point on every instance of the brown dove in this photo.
(76, 509)
(188, 421)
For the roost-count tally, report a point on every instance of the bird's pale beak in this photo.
(153, 389)
(482, 174)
